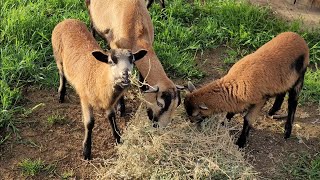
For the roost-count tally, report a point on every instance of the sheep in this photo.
(127, 24)
(98, 77)
(274, 69)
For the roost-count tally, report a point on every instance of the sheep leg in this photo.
(112, 120)
(62, 87)
(121, 107)
(247, 124)
(149, 3)
(292, 105)
(162, 4)
(277, 104)
(88, 121)
(229, 116)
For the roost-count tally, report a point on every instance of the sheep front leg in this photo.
(121, 107)
(112, 120)
(247, 123)
(88, 121)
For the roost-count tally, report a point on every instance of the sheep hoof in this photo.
(241, 142)
(287, 134)
(86, 155)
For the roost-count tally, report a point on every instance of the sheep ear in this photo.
(152, 89)
(203, 106)
(179, 87)
(139, 55)
(191, 87)
(100, 56)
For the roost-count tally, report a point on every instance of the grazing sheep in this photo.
(274, 69)
(127, 24)
(98, 77)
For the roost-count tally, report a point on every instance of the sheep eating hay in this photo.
(98, 77)
(180, 151)
(274, 69)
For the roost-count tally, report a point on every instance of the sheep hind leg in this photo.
(112, 120)
(88, 121)
(276, 106)
(62, 87)
(149, 3)
(292, 105)
(247, 124)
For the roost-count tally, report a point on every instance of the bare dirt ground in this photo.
(59, 145)
(306, 10)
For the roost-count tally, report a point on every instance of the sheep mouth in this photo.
(125, 83)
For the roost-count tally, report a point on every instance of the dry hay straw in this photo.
(180, 151)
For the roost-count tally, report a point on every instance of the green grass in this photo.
(303, 166)
(34, 167)
(26, 53)
(56, 119)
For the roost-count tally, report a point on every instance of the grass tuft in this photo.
(303, 166)
(56, 119)
(31, 167)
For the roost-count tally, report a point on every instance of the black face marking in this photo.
(131, 58)
(298, 63)
(114, 57)
(188, 106)
(166, 96)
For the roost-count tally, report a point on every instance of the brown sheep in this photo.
(127, 24)
(274, 69)
(98, 77)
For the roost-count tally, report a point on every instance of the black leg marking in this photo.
(113, 123)
(244, 133)
(121, 107)
(149, 3)
(229, 116)
(292, 104)
(277, 104)
(62, 88)
(88, 141)
(162, 4)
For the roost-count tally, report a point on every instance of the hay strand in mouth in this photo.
(180, 151)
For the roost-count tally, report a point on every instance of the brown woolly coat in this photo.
(72, 46)
(268, 71)
(127, 24)
(130, 27)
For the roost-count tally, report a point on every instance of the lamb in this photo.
(98, 77)
(127, 24)
(274, 69)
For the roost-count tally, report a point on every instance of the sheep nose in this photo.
(125, 74)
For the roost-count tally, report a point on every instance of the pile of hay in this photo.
(180, 151)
